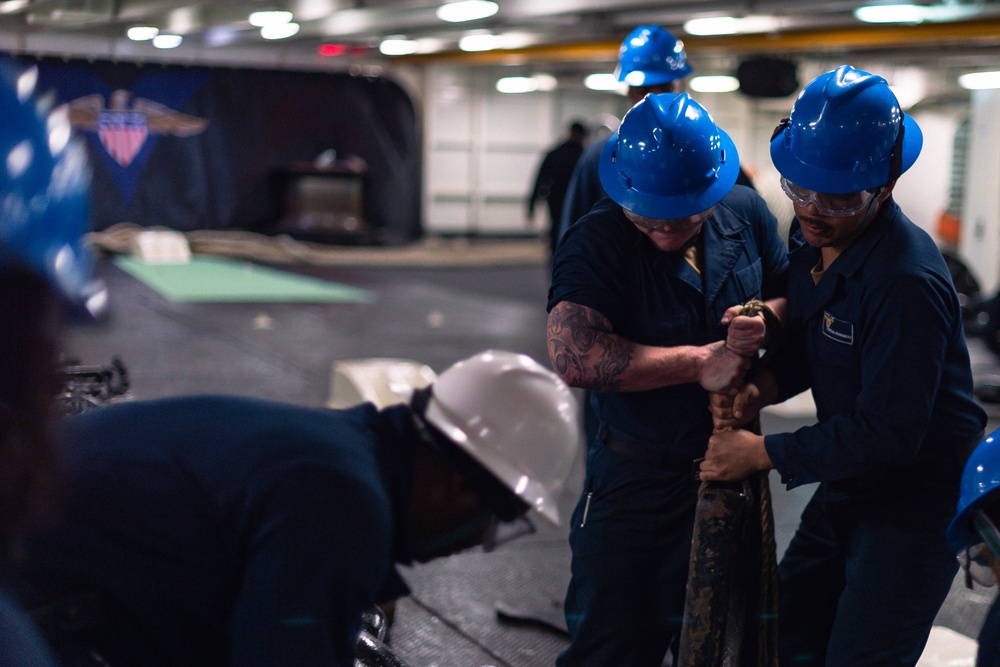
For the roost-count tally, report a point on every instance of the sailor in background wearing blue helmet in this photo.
(650, 60)
(974, 537)
(44, 182)
(875, 329)
(643, 288)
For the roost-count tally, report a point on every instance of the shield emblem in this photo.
(123, 133)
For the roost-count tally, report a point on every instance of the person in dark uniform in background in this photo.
(44, 187)
(214, 530)
(553, 177)
(650, 60)
(643, 288)
(975, 539)
(875, 329)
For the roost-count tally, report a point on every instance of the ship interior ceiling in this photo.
(397, 231)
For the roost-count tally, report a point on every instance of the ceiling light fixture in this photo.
(516, 84)
(397, 46)
(980, 80)
(270, 17)
(604, 81)
(714, 84)
(527, 84)
(167, 41)
(903, 13)
(279, 30)
(732, 25)
(716, 25)
(479, 42)
(142, 33)
(467, 10)
(12, 6)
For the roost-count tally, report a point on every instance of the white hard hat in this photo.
(515, 418)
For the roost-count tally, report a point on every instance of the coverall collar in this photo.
(850, 261)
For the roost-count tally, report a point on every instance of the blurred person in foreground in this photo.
(224, 530)
(45, 273)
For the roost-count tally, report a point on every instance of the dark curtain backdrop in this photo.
(164, 165)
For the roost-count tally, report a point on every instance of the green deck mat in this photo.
(219, 280)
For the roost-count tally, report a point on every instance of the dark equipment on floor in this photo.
(85, 387)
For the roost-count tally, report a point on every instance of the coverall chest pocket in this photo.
(837, 340)
(749, 281)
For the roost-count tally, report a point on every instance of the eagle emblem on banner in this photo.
(124, 123)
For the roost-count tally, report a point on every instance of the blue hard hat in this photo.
(846, 133)
(44, 187)
(979, 480)
(668, 159)
(651, 56)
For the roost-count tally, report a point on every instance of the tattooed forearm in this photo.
(583, 349)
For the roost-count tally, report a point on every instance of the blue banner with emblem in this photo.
(198, 148)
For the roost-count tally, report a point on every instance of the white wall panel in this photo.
(980, 242)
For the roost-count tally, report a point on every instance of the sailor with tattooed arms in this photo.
(645, 291)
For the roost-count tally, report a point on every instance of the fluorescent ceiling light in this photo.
(603, 81)
(467, 10)
(951, 12)
(517, 84)
(545, 82)
(731, 25)
(905, 13)
(979, 80)
(270, 17)
(142, 33)
(718, 25)
(714, 84)
(12, 6)
(279, 30)
(479, 42)
(397, 46)
(167, 41)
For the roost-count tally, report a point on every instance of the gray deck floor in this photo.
(435, 316)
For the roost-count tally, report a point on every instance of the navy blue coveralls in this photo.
(21, 644)
(225, 530)
(882, 346)
(631, 530)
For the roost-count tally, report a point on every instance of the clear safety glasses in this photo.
(977, 562)
(834, 206)
(674, 224)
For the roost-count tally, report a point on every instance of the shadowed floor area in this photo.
(435, 315)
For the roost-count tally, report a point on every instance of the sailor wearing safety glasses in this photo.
(874, 328)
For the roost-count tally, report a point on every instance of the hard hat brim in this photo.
(530, 491)
(832, 181)
(651, 78)
(662, 207)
